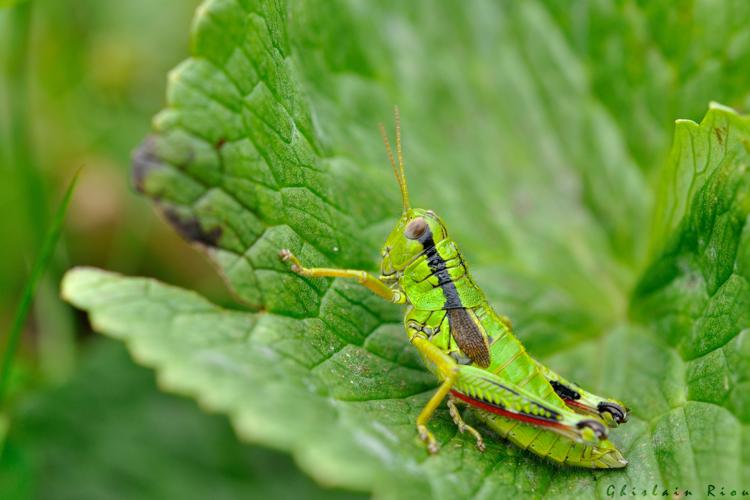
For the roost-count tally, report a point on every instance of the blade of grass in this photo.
(55, 318)
(37, 271)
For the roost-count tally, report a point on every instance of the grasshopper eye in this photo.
(416, 228)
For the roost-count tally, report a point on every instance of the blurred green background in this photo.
(79, 83)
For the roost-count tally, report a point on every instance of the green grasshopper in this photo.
(472, 350)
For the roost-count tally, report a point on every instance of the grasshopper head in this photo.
(416, 229)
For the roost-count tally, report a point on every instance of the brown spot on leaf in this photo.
(719, 132)
(218, 144)
(144, 161)
(190, 228)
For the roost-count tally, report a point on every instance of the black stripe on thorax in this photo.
(438, 268)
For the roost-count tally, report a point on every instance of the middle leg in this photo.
(447, 370)
(463, 426)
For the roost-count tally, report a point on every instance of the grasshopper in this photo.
(472, 350)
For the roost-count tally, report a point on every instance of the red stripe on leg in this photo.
(505, 413)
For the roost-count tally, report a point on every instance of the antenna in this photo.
(405, 190)
(398, 171)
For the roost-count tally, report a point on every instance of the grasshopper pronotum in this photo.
(472, 350)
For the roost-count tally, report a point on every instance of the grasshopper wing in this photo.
(468, 336)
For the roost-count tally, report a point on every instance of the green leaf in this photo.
(536, 148)
(696, 292)
(109, 434)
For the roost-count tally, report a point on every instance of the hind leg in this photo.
(611, 411)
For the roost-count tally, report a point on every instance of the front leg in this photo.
(363, 277)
